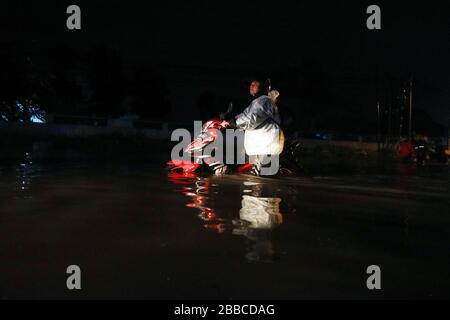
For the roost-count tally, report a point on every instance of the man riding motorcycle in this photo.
(261, 121)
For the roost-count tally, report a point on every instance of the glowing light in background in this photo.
(35, 119)
(18, 112)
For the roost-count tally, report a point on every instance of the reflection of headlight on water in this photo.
(26, 171)
(262, 213)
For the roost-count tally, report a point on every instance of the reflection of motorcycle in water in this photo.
(259, 213)
(198, 190)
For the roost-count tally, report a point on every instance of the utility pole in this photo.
(378, 127)
(410, 110)
(389, 131)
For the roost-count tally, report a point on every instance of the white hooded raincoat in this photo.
(260, 120)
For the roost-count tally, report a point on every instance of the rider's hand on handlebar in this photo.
(225, 124)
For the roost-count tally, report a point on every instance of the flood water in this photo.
(137, 232)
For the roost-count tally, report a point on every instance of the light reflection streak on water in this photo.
(198, 192)
(26, 172)
(258, 216)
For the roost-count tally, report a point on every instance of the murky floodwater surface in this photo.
(137, 232)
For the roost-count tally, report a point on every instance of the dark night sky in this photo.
(415, 37)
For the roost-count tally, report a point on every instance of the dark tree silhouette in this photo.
(149, 94)
(34, 81)
(106, 81)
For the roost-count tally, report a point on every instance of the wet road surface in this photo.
(138, 233)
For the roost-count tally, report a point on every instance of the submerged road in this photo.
(137, 233)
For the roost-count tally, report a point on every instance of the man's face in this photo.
(254, 88)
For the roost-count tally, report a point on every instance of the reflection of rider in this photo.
(258, 216)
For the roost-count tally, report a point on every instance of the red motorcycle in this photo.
(195, 149)
(208, 135)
